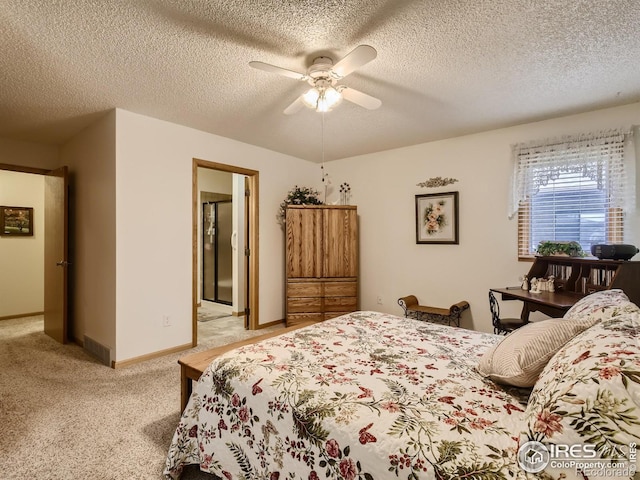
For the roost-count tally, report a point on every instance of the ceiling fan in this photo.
(323, 76)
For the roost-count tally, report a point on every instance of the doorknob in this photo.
(63, 263)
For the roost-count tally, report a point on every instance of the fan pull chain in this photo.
(322, 165)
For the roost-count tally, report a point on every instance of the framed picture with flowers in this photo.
(437, 218)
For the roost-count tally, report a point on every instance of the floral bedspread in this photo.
(363, 396)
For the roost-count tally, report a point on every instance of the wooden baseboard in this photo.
(22, 315)
(270, 324)
(149, 356)
(161, 353)
(238, 314)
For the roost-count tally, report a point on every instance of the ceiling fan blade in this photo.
(359, 56)
(294, 107)
(279, 70)
(362, 99)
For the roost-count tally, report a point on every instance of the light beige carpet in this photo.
(208, 318)
(65, 416)
(208, 311)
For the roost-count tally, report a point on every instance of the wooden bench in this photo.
(192, 366)
(451, 315)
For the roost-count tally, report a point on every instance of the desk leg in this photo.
(548, 310)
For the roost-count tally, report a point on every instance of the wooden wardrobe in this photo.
(321, 262)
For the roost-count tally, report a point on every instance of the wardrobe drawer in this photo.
(340, 304)
(296, 318)
(304, 289)
(340, 289)
(304, 304)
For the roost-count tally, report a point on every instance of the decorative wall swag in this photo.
(437, 182)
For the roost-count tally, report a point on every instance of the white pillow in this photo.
(520, 357)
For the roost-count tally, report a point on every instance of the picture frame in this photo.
(437, 218)
(16, 221)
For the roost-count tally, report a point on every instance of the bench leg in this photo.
(185, 387)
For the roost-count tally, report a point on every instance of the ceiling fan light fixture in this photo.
(310, 98)
(329, 99)
(322, 99)
(322, 75)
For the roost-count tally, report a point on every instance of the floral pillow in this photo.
(601, 305)
(589, 394)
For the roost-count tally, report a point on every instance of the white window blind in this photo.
(572, 189)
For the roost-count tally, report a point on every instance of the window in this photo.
(573, 189)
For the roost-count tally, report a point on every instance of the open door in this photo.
(247, 284)
(56, 261)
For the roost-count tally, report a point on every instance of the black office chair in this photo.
(502, 326)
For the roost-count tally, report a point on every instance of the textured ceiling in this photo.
(444, 67)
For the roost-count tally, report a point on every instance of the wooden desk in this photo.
(553, 304)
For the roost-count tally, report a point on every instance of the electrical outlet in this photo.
(166, 321)
(379, 300)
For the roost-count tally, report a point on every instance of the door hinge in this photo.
(247, 193)
(247, 252)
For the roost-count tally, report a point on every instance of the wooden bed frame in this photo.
(192, 366)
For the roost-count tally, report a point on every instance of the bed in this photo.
(365, 396)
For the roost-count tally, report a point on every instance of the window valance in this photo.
(598, 156)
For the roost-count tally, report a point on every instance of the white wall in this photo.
(22, 283)
(22, 290)
(90, 156)
(28, 154)
(215, 181)
(153, 232)
(383, 187)
(22, 258)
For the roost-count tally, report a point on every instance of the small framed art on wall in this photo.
(437, 218)
(16, 221)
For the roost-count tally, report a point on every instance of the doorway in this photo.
(242, 240)
(54, 241)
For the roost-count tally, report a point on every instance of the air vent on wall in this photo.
(97, 350)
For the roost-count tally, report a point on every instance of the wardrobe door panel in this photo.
(340, 243)
(304, 243)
